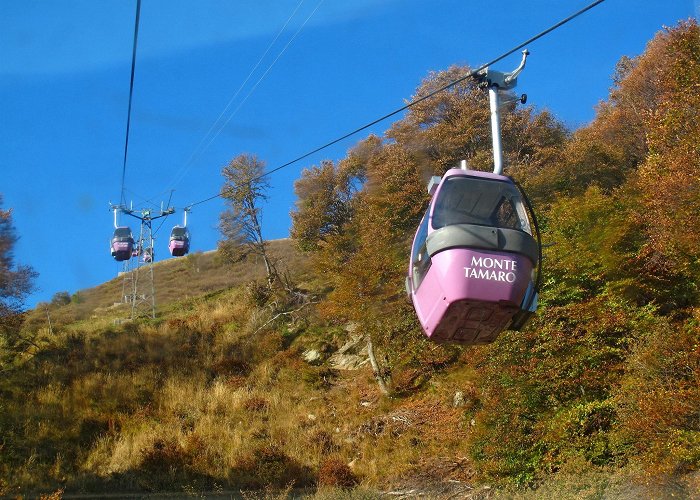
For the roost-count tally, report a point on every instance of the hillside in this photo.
(174, 280)
(240, 384)
(234, 390)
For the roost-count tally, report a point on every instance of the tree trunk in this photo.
(268, 268)
(383, 386)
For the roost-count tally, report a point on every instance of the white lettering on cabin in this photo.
(488, 268)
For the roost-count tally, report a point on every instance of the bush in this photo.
(163, 457)
(257, 293)
(256, 404)
(269, 466)
(319, 378)
(323, 441)
(60, 299)
(335, 472)
(659, 397)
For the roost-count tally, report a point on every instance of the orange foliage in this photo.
(659, 398)
(620, 199)
(335, 472)
(669, 181)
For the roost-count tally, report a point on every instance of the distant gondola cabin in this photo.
(122, 243)
(179, 243)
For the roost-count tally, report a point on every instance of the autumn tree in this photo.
(659, 397)
(240, 224)
(359, 216)
(639, 159)
(607, 373)
(325, 198)
(668, 181)
(626, 126)
(60, 299)
(16, 282)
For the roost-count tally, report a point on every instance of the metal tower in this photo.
(143, 298)
(127, 282)
(138, 288)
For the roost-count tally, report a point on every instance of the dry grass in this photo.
(175, 280)
(609, 483)
(214, 394)
(170, 405)
(202, 398)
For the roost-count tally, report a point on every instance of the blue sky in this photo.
(336, 65)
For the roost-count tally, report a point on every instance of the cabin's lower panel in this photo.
(470, 295)
(473, 322)
(178, 251)
(121, 255)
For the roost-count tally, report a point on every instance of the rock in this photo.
(351, 356)
(347, 361)
(350, 345)
(458, 399)
(312, 356)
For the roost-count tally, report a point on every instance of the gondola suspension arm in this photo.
(497, 80)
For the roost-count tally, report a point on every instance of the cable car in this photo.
(474, 266)
(475, 262)
(179, 244)
(122, 243)
(147, 255)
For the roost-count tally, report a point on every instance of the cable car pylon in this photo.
(139, 288)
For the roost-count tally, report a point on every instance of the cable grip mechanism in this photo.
(504, 81)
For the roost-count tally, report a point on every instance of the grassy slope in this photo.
(174, 279)
(215, 394)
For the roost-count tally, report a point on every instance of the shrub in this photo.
(320, 378)
(233, 363)
(257, 293)
(163, 457)
(323, 441)
(659, 397)
(60, 299)
(256, 404)
(270, 466)
(335, 472)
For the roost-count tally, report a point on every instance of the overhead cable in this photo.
(155, 233)
(201, 147)
(266, 72)
(131, 95)
(471, 74)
